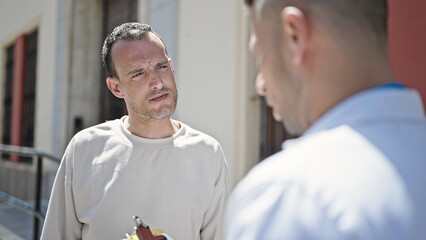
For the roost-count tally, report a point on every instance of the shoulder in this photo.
(93, 143)
(324, 183)
(94, 138)
(196, 137)
(339, 160)
(96, 132)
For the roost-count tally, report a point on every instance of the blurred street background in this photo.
(52, 83)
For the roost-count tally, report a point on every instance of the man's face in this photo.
(146, 77)
(279, 86)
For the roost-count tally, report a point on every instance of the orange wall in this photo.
(407, 42)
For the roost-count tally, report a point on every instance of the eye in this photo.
(138, 74)
(163, 66)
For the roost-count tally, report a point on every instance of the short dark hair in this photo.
(368, 15)
(126, 31)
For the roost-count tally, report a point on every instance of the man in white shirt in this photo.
(174, 178)
(357, 171)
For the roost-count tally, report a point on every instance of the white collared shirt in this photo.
(358, 173)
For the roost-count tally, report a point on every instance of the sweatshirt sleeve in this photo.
(212, 227)
(61, 220)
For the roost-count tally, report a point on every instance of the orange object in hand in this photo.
(144, 233)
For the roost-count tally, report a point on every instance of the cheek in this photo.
(274, 92)
(135, 91)
(268, 66)
(275, 73)
(169, 81)
(268, 76)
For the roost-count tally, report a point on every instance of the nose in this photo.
(260, 85)
(156, 82)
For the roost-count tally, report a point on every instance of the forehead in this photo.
(265, 14)
(261, 32)
(257, 10)
(260, 18)
(148, 47)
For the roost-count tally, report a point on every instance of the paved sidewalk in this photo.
(15, 224)
(6, 234)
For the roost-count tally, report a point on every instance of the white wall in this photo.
(248, 102)
(84, 81)
(61, 86)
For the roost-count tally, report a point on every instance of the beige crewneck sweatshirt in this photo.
(107, 175)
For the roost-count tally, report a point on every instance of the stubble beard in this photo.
(287, 109)
(163, 113)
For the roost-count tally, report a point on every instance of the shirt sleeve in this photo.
(212, 227)
(61, 220)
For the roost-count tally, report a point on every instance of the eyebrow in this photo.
(140, 69)
(162, 63)
(135, 71)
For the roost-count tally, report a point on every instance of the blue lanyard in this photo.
(393, 85)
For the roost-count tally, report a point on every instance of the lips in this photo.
(159, 97)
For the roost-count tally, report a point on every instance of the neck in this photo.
(151, 128)
(347, 77)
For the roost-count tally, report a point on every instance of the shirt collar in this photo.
(384, 101)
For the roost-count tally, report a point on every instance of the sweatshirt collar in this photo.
(147, 143)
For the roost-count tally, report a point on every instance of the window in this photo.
(7, 103)
(19, 94)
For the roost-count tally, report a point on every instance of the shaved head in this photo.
(367, 17)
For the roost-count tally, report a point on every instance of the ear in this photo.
(171, 65)
(296, 32)
(114, 86)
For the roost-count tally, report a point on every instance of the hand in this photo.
(144, 233)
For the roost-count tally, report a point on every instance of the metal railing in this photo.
(38, 158)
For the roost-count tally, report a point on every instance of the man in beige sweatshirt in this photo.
(146, 164)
